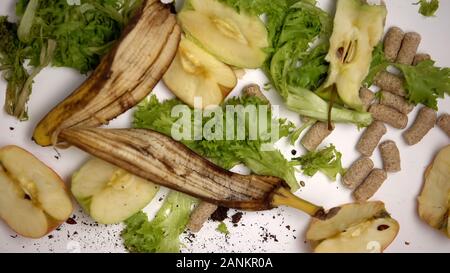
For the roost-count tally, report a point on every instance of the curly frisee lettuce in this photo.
(57, 33)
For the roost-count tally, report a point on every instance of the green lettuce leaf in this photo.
(297, 64)
(379, 63)
(222, 228)
(162, 234)
(55, 32)
(425, 82)
(327, 161)
(13, 54)
(428, 7)
(152, 114)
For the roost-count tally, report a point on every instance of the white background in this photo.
(399, 192)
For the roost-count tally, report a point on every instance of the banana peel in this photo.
(158, 158)
(125, 76)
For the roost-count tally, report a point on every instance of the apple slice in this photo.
(371, 236)
(357, 227)
(109, 194)
(434, 200)
(33, 198)
(237, 39)
(194, 73)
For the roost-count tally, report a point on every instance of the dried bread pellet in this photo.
(356, 174)
(200, 215)
(420, 58)
(316, 135)
(425, 121)
(253, 90)
(367, 96)
(371, 137)
(370, 185)
(409, 47)
(390, 82)
(389, 116)
(397, 102)
(390, 156)
(392, 43)
(444, 123)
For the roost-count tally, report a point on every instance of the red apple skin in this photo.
(52, 223)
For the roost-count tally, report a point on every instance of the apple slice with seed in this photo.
(358, 227)
(33, 199)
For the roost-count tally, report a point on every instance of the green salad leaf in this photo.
(162, 234)
(428, 7)
(55, 32)
(327, 161)
(297, 65)
(379, 63)
(83, 32)
(296, 134)
(425, 82)
(222, 228)
(298, 34)
(152, 114)
(13, 54)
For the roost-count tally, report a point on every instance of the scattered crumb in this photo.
(220, 214)
(236, 218)
(71, 221)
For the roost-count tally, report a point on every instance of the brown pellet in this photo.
(315, 135)
(425, 121)
(390, 156)
(356, 174)
(420, 58)
(367, 96)
(397, 102)
(390, 82)
(392, 43)
(370, 185)
(389, 116)
(444, 123)
(409, 48)
(200, 215)
(371, 137)
(253, 90)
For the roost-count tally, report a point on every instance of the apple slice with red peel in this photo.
(194, 73)
(358, 227)
(33, 198)
(110, 194)
(434, 200)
